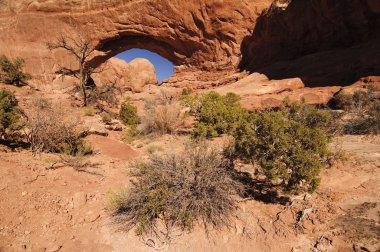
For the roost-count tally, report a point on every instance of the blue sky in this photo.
(164, 68)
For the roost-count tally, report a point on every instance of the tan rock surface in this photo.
(259, 84)
(363, 85)
(258, 92)
(134, 75)
(315, 96)
(142, 73)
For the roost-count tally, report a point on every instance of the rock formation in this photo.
(142, 73)
(258, 92)
(133, 76)
(338, 40)
(323, 43)
(200, 34)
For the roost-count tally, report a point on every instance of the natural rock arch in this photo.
(200, 34)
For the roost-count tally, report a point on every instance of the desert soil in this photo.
(57, 208)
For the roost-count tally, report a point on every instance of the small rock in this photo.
(225, 238)
(91, 217)
(24, 193)
(53, 248)
(79, 199)
(239, 228)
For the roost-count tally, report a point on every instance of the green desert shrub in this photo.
(11, 71)
(289, 153)
(128, 113)
(106, 117)
(177, 190)
(52, 128)
(328, 120)
(289, 146)
(10, 116)
(215, 114)
(186, 91)
(88, 111)
(309, 116)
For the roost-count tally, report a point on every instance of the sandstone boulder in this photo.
(258, 92)
(142, 73)
(128, 76)
(363, 85)
(259, 84)
(113, 70)
(314, 96)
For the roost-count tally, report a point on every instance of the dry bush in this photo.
(364, 121)
(363, 110)
(53, 128)
(101, 98)
(162, 115)
(176, 191)
(105, 95)
(152, 148)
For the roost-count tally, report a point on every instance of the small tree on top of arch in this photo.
(83, 51)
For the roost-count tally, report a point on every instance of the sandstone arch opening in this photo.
(164, 68)
(133, 69)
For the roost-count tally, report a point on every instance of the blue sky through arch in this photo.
(164, 68)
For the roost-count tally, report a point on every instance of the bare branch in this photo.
(82, 50)
(68, 72)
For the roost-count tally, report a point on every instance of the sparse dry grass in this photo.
(52, 128)
(163, 115)
(152, 148)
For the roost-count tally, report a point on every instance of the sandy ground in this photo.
(62, 209)
(43, 209)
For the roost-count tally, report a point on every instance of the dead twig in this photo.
(301, 217)
(77, 163)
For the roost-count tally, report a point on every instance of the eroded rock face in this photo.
(258, 84)
(293, 28)
(258, 92)
(196, 34)
(321, 43)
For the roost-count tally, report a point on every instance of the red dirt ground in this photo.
(42, 209)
